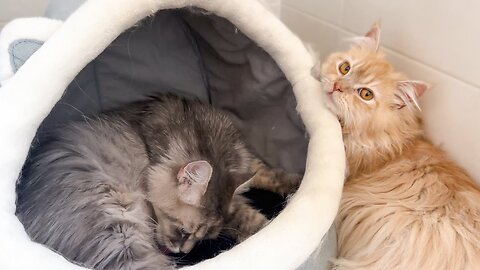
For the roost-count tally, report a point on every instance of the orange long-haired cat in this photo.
(406, 205)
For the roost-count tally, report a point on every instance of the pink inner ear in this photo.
(196, 171)
(193, 181)
(421, 88)
(374, 34)
(410, 90)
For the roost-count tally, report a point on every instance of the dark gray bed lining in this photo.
(245, 81)
(196, 55)
(155, 56)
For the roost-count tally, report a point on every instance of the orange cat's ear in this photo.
(408, 92)
(374, 35)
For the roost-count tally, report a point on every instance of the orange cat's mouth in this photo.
(330, 94)
(331, 104)
(342, 123)
(330, 99)
(336, 87)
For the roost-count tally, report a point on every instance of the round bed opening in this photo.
(198, 55)
(31, 86)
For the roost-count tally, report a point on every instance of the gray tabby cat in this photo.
(113, 192)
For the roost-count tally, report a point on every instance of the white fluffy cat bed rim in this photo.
(28, 96)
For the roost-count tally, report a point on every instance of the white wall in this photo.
(10, 9)
(432, 40)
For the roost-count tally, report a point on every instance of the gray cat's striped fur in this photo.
(103, 192)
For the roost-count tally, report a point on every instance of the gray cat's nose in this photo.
(174, 249)
(185, 236)
(201, 232)
(188, 246)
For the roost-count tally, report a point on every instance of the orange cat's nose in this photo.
(337, 87)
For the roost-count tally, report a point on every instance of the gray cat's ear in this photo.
(242, 182)
(408, 93)
(240, 179)
(374, 35)
(193, 181)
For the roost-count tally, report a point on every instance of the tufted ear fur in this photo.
(371, 40)
(193, 181)
(374, 35)
(408, 92)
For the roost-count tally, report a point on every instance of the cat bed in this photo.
(234, 54)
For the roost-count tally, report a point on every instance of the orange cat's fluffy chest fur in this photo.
(417, 211)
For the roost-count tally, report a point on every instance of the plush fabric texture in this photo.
(212, 61)
(61, 9)
(28, 97)
(19, 39)
(21, 50)
(322, 256)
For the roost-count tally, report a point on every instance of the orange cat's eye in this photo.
(365, 93)
(344, 68)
